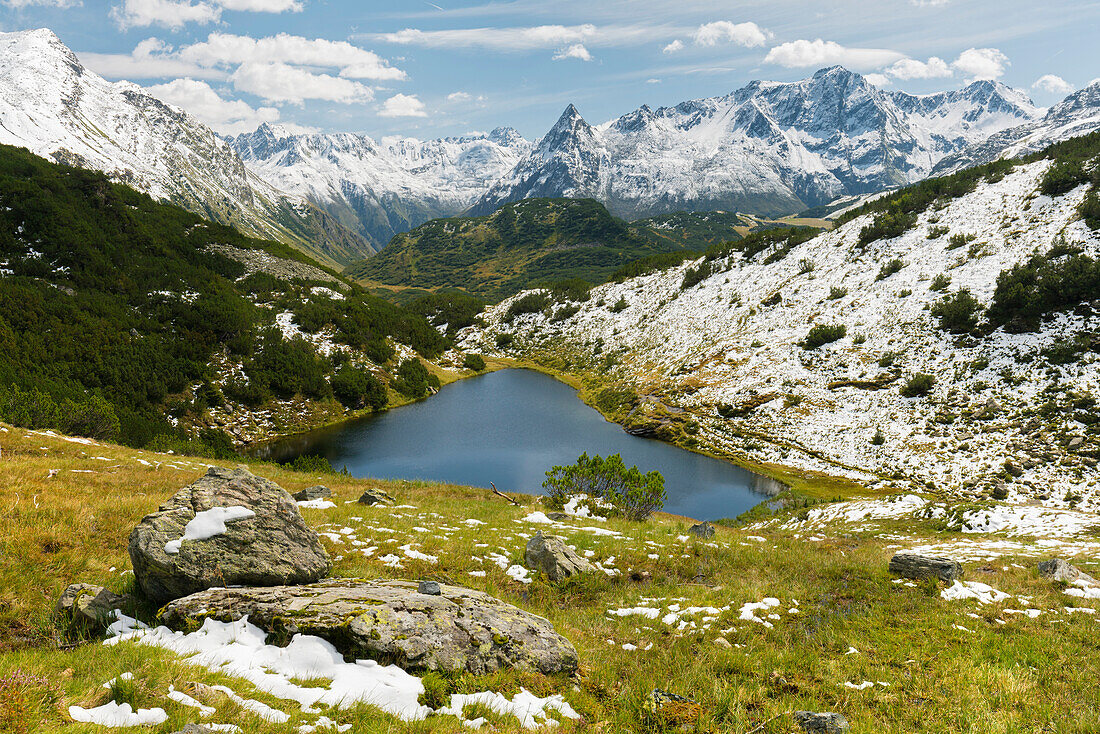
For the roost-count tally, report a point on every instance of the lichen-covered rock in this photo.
(914, 566)
(374, 496)
(316, 492)
(550, 554)
(1057, 569)
(821, 723)
(392, 622)
(230, 527)
(89, 606)
(702, 530)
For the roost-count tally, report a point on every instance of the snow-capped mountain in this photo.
(767, 148)
(381, 188)
(718, 347)
(1078, 114)
(56, 108)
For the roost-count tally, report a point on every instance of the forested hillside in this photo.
(127, 319)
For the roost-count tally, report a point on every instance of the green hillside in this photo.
(521, 244)
(693, 230)
(127, 319)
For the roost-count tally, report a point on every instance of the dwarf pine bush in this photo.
(633, 494)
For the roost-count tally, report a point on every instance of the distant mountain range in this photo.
(55, 107)
(381, 188)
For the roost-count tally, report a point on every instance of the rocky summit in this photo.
(457, 630)
(229, 527)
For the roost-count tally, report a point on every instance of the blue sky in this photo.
(448, 67)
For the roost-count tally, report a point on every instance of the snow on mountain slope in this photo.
(381, 188)
(733, 340)
(1078, 114)
(767, 148)
(56, 108)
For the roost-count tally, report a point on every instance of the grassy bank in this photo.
(948, 666)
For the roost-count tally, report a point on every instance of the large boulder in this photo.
(550, 554)
(915, 566)
(392, 622)
(1057, 569)
(228, 528)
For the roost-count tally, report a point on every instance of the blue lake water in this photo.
(509, 427)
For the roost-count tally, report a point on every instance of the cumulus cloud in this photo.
(576, 51)
(226, 49)
(673, 47)
(20, 4)
(879, 80)
(150, 59)
(723, 31)
(500, 39)
(228, 117)
(281, 83)
(804, 53)
(934, 68)
(172, 14)
(463, 97)
(981, 63)
(403, 105)
(175, 14)
(1053, 84)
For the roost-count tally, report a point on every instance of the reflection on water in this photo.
(510, 427)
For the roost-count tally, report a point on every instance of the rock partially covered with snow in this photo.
(457, 630)
(1058, 570)
(229, 527)
(550, 554)
(374, 496)
(316, 492)
(914, 566)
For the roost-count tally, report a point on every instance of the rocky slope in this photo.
(56, 108)
(1009, 414)
(1078, 114)
(381, 188)
(767, 148)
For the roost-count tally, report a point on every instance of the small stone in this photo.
(194, 729)
(821, 723)
(1014, 469)
(702, 530)
(557, 516)
(550, 554)
(722, 642)
(1058, 570)
(89, 606)
(1076, 442)
(316, 492)
(374, 496)
(431, 588)
(913, 566)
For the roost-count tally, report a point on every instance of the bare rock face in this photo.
(1058, 570)
(391, 621)
(550, 554)
(913, 566)
(230, 527)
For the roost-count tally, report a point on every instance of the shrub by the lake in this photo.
(630, 492)
(473, 362)
(357, 388)
(413, 379)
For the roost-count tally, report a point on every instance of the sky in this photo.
(450, 67)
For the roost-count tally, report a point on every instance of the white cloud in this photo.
(879, 80)
(463, 97)
(20, 4)
(803, 53)
(532, 38)
(262, 6)
(403, 105)
(653, 81)
(226, 49)
(673, 47)
(1053, 84)
(934, 68)
(576, 51)
(228, 117)
(173, 14)
(149, 60)
(276, 82)
(929, 3)
(723, 31)
(981, 63)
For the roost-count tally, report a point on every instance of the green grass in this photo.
(1025, 675)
